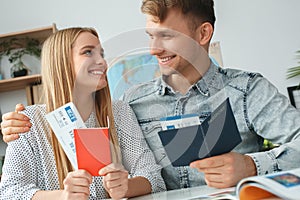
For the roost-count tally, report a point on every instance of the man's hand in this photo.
(225, 170)
(115, 180)
(14, 123)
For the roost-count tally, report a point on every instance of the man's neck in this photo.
(179, 83)
(183, 82)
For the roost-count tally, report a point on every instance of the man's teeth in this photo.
(166, 59)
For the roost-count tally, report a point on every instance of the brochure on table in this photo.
(284, 185)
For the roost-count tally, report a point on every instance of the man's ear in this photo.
(204, 33)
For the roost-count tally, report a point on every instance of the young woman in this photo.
(36, 167)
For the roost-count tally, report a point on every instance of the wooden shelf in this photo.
(25, 82)
(39, 33)
(19, 82)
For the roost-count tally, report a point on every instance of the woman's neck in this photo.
(84, 105)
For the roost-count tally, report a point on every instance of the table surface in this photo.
(200, 192)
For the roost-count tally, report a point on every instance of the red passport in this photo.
(92, 149)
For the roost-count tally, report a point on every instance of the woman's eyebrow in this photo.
(88, 46)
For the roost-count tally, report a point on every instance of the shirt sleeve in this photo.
(19, 172)
(272, 117)
(137, 157)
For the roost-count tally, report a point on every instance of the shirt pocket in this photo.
(150, 130)
(203, 116)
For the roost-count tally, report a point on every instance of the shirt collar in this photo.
(162, 87)
(208, 80)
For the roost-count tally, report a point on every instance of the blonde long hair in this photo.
(58, 77)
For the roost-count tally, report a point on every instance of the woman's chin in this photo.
(101, 84)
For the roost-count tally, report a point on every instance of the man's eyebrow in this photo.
(159, 31)
(147, 32)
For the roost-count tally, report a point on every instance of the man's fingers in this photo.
(217, 184)
(214, 178)
(10, 125)
(208, 163)
(8, 138)
(19, 107)
(15, 115)
(14, 130)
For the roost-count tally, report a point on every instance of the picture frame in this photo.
(294, 95)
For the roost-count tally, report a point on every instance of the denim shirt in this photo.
(259, 109)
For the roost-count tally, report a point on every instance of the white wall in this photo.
(108, 17)
(256, 35)
(261, 36)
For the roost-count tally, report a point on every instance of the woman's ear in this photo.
(204, 33)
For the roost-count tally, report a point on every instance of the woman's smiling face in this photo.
(89, 64)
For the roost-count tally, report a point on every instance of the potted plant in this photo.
(294, 91)
(15, 49)
(294, 71)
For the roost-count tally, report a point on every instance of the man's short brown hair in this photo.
(196, 11)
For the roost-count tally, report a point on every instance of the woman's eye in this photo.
(87, 52)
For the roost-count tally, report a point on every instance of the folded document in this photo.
(216, 135)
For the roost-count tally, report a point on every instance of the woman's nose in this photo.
(100, 60)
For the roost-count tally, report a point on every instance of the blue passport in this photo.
(217, 134)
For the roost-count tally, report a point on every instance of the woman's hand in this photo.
(77, 185)
(14, 123)
(115, 180)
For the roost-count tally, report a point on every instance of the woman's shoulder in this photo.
(124, 116)
(33, 110)
(121, 108)
(36, 114)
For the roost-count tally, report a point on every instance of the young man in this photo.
(191, 83)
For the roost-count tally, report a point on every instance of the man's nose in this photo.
(156, 47)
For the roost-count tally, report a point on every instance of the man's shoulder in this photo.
(233, 73)
(141, 90)
(238, 78)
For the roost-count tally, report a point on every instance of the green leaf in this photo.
(32, 47)
(294, 71)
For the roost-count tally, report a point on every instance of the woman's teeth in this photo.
(97, 72)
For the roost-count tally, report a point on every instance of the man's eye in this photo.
(166, 36)
(150, 36)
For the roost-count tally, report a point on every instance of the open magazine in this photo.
(283, 185)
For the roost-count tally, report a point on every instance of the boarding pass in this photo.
(179, 121)
(63, 121)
